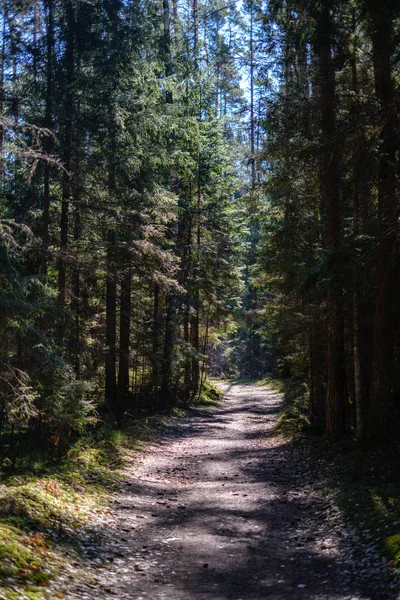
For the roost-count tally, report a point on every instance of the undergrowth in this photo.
(211, 394)
(293, 419)
(364, 481)
(48, 505)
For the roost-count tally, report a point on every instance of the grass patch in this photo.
(264, 382)
(293, 419)
(211, 395)
(45, 516)
(47, 506)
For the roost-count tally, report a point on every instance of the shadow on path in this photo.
(222, 509)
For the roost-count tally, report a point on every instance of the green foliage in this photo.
(294, 416)
(211, 394)
(392, 548)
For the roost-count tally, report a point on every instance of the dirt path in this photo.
(219, 510)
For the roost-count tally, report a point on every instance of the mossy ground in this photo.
(211, 395)
(293, 419)
(47, 505)
(364, 481)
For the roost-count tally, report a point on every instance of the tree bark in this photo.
(169, 340)
(316, 378)
(111, 322)
(331, 206)
(170, 324)
(2, 91)
(124, 340)
(156, 338)
(359, 351)
(380, 19)
(252, 128)
(67, 157)
(48, 121)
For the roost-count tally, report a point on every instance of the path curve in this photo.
(222, 509)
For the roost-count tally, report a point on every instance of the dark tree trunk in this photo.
(2, 92)
(381, 26)
(331, 207)
(169, 340)
(196, 37)
(186, 338)
(359, 334)
(316, 378)
(170, 320)
(252, 128)
(175, 15)
(67, 157)
(194, 330)
(124, 340)
(111, 322)
(76, 279)
(48, 121)
(156, 338)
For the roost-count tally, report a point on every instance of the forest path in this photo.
(220, 509)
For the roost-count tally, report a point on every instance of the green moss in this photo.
(26, 562)
(47, 506)
(293, 418)
(392, 547)
(211, 394)
(365, 483)
(275, 384)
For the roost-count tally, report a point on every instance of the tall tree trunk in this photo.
(175, 15)
(195, 320)
(48, 121)
(111, 322)
(185, 273)
(170, 324)
(194, 330)
(124, 339)
(252, 125)
(36, 26)
(381, 28)
(203, 372)
(156, 338)
(2, 91)
(331, 206)
(196, 37)
(67, 158)
(359, 351)
(169, 339)
(316, 378)
(76, 282)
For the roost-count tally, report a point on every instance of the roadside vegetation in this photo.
(365, 481)
(50, 507)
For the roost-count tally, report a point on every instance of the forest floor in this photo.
(220, 507)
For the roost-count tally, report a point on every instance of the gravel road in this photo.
(220, 508)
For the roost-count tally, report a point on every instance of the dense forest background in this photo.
(181, 180)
